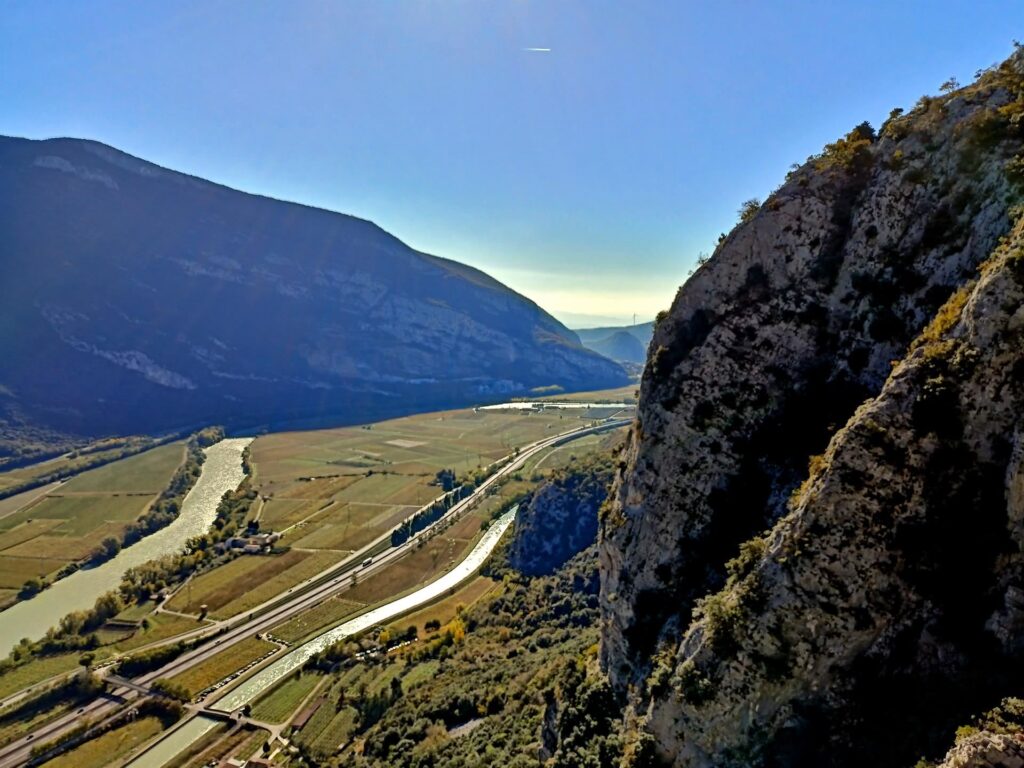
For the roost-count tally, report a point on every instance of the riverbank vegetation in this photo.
(507, 680)
(326, 512)
(23, 473)
(90, 518)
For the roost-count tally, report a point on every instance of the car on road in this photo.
(367, 561)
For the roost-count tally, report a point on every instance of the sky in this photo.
(588, 176)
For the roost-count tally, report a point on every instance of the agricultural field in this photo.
(237, 744)
(421, 565)
(625, 394)
(331, 725)
(410, 447)
(64, 524)
(107, 749)
(327, 614)
(12, 504)
(249, 580)
(161, 626)
(334, 491)
(146, 473)
(284, 700)
(445, 610)
(223, 664)
(36, 671)
(71, 463)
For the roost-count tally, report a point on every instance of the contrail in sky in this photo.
(538, 50)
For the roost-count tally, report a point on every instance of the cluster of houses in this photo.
(252, 544)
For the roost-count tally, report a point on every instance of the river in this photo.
(165, 750)
(545, 405)
(221, 472)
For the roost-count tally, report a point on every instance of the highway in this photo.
(282, 607)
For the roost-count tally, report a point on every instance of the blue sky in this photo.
(589, 177)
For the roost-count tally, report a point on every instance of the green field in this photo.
(219, 666)
(81, 513)
(282, 702)
(161, 627)
(26, 531)
(14, 680)
(73, 462)
(218, 587)
(326, 614)
(109, 748)
(15, 571)
(348, 526)
(14, 503)
(421, 673)
(249, 580)
(262, 591)
(67, 523)
(327, 729)
(145, 473)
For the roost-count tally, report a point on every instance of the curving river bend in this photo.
(221, 472)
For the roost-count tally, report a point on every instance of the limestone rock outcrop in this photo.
(559, 519)
(813, 554)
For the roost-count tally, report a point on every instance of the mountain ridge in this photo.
(183, 300)
(626, 343)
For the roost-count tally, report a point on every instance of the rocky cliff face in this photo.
(559, 519)
(883, 602)
(137, 298)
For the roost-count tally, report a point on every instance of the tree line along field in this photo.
(434, 556)
(335, 721)
(44, 530)
(14, 479)
(312, 487)
(341, 488)
(331, 492)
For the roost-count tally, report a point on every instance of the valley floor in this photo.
(328, 494)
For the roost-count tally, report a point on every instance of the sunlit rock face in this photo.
(875, 479)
